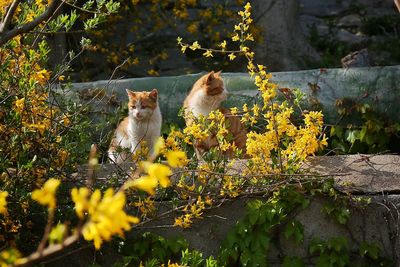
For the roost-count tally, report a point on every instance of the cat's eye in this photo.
(143, 107)
(133, 107)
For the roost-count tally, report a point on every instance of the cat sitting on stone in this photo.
(142, 124)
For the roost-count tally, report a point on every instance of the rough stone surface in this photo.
(376, 224)
(364, 174)
(352, 20)
(373, 176)
(307, 23)
(350, 38)
(356, 59)
(321, 8)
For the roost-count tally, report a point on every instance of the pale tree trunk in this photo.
(284, 46)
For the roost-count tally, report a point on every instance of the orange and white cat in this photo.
(142, 124)
(205, 96)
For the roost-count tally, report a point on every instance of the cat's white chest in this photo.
(200, 104)
(148, 130)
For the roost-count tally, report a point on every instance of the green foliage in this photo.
(193, 258)
(370, 250)
(151, 248)
(363, 130)
(294, 229)
(247, 244)
(333, 252)
(337, 210)
(292, 262)
(388, 24)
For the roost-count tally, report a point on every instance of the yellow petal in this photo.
(176, 158)
(146, 183)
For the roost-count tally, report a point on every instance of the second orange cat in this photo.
(205, 96)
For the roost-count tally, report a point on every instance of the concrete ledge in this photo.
(377, 86)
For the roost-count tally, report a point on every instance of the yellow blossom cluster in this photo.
(157, 173)
(231, 186)
(192, 211)
(106, 216)
(146, 207)
(212, 129)
(3, 202)
(278, 145)
(8, 257)
(46, 195)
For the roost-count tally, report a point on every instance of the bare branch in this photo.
(10, 13)
(50, 250)
(5, 36)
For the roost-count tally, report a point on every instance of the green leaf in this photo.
(352, 135)
(294, 229)
(363, 132)
(343, 215)
(245, 257)
(253, 217)
(317, 246)
(371, 250)
(338, 244)
(324, 260)
(292, 262)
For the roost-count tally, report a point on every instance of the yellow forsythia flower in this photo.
(145, 183)
(223, 45)
(80, 197)
(3, 202)
(235, 38)
(46, 195)
(231, 56)
(195, 46)
(158, 146)
(8, 257)
(208, 53)
(176, 158)
(159, 172)
(183, 48)
(20, 105)
(42, 76)
(57, 234)
(107, 217)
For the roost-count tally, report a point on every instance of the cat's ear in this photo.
(153, 94)
(218, 73)
(130, 93)
(210, 77)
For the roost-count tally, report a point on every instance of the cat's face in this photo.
(214, 87)
(142, 104)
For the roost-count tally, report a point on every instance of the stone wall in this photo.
(376, 177)
(349, 22)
